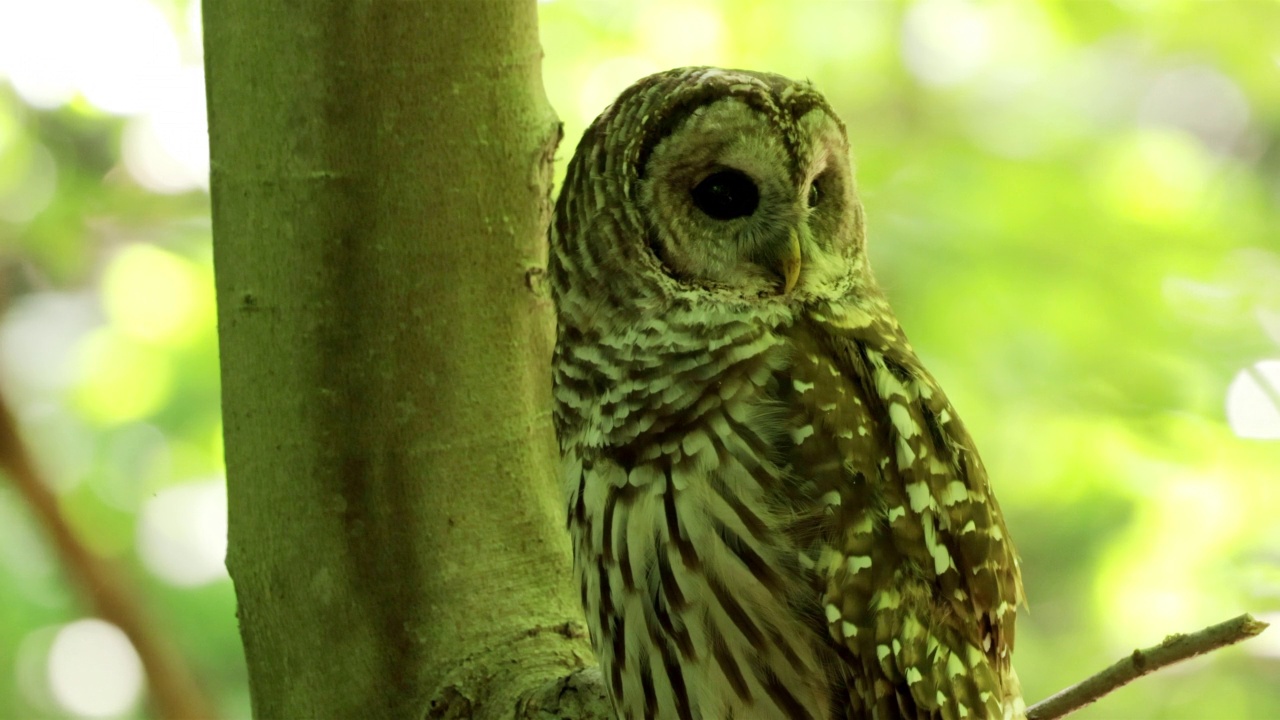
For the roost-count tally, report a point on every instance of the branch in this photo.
(1174, 649)
(173, 687)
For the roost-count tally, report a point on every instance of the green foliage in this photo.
(1073, 205)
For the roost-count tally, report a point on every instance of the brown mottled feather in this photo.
(915, 527)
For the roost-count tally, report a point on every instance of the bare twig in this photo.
(1174, 649)
(173, 687)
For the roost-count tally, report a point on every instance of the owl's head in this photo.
(721, 183)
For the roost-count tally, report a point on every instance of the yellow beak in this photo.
(791, 264)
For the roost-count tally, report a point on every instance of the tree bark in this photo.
(381, 178)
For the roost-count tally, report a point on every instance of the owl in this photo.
(775, 511)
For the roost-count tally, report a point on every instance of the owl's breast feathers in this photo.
(695, 597)
(921, 579)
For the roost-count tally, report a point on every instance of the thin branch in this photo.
(1174, 649)
(173, 687)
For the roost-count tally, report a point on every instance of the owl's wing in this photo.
(921, 580)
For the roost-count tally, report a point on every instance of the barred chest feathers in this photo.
(700, 599)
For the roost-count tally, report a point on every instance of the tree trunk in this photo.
(381, 178)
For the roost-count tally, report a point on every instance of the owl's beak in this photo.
(791, 263)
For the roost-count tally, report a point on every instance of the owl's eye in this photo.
(815, 194)
(726, 195)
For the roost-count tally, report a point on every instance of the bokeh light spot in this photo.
(28, 179)
(167, 149)
(1268, 643)
(39, 334)
(1253, 401)
(681, 33)
(1157, 177)
(182, 533)
(945, 42)
(1153, 580)
(153, 295)
(94, 670)
(607, 80)
(1201, 101)
(121, 380)
(117, 53)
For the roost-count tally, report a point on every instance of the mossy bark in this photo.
(380, 181)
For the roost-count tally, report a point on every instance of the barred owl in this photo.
(775, 511)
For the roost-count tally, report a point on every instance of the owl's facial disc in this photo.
(738, 199)
(729, 194)
(721, 202)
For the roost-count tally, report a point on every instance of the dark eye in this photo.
(815, 194)
(726, 195)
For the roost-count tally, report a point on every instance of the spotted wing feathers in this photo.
(921, 583)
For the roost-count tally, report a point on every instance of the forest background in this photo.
(1074, 207)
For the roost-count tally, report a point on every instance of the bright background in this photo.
(1073, 205)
